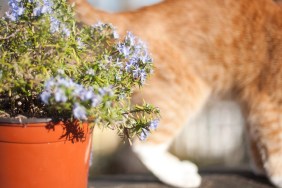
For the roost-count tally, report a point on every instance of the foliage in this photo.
(53, 66)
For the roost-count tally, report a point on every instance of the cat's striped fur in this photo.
(203, 48)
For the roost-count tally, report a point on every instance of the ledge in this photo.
(211, 179)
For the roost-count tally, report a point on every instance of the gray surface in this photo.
(211, 179)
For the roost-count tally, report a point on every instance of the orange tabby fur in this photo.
(211, 47)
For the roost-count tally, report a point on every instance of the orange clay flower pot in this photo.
(37, 153)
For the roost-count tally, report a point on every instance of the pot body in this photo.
(44, 155)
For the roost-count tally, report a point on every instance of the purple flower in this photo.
(60, 95)
(66, 31)
(55, 25)
(49, 84)
(77, 90)
(86, 94)
(79, 112)
(143, 76)
(99, 26)
(66, 82)
(144, 57)
(154, 124)
(136, 73)
(46, 8)
(12, 16)
(106, 91)
(80, 44)
(115, 34)
(130, 65)
(123, 49)
(144, 134)
(45, 96)
(96, 100)
(16, 10)
(37, 11)
(20, 11)
(119, 64)
(130, 38)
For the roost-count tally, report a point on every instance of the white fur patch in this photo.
(276, 180)
(167, 167)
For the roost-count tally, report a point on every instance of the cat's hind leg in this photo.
(265, 118)
(178, 102)
(254, 153)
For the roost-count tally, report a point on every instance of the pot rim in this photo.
(24, 120)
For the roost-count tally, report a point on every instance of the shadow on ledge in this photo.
(212, 178)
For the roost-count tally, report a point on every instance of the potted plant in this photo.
(58, 79)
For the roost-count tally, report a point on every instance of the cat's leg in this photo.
(265, 118)
(254, 153)
(178, 102)
(166, 167)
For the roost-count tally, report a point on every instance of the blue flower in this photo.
(40, 9)
(47, 7)
(154, 124)
(144, 57)
(96, 100)
(130, 39)
(144, 134)
(119, 64)
(20, 11)
(115, 34)
(98, 24)
(80, 44)
(79, 112)
(136, 73)
(45, 96)
(106, 91)
(66, 82)
(60, 95)
(49, 84)
(66, 31)
(130, 65)
(11, 16)
(54, 25)
(86, 94)
(77, 90)
(143, 76)
(124, 50)
(37, 11)
(16, 10)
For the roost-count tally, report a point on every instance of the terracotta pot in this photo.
(37, 153)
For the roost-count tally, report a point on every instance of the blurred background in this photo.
(215, 137)
(121, 5)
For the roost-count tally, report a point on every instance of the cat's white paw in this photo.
(276, 180)
(183, 175)
(189, 166)
(168, 168)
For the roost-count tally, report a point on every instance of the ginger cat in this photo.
(204, 48)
